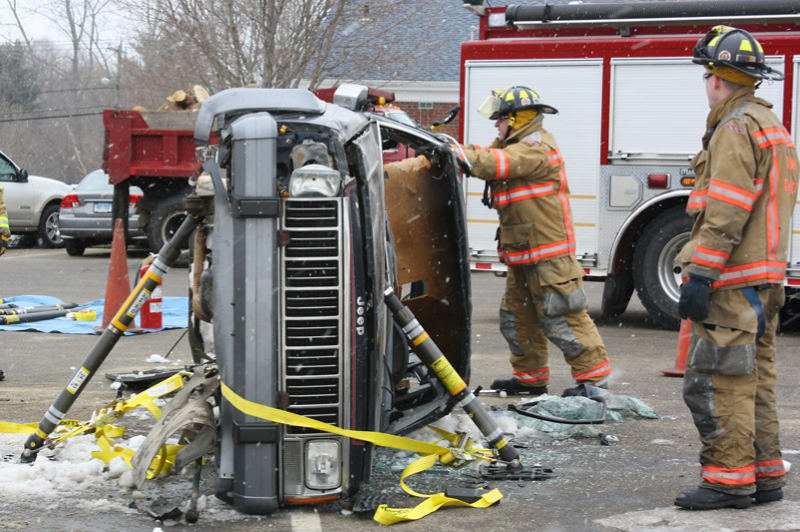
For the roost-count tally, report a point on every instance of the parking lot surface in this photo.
(627, 485)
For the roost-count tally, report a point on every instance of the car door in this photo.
(18, 194)
(427, 226)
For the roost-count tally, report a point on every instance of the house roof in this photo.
(433, 40)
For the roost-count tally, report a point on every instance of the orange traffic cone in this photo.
(118, 286)
(683, 350)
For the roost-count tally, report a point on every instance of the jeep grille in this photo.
(311, 324)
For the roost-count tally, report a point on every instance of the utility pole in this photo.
(121, 198)
(118, 77)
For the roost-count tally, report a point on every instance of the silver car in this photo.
(86, 218)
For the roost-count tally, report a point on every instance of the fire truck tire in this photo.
(164, 221)
(655, 275)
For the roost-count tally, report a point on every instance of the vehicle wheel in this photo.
(656, 276)
(75, 247)
(164, 222)
(49, 231)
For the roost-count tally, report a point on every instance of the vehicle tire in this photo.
(75, 247)
(164, 221)
(49, 232)
(655, 275)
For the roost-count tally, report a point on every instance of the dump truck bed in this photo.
(149, 144)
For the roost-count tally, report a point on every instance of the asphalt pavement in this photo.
(627, 485)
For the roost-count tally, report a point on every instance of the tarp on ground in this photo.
(175, 315)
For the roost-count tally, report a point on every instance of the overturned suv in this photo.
(308, 229)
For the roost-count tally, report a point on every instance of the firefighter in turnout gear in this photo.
(734, 269)
(5, 232)
(544, 298)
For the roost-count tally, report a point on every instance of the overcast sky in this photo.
(37, 18)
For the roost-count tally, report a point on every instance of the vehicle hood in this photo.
(52, 186)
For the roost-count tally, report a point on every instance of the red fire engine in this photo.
(632, 113)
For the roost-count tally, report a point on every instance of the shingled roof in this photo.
(440, 26)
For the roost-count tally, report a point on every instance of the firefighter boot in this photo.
(708, 499)
(514, 387)
(762, 496)
(585, 390)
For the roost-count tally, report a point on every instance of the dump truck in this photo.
(155, 151)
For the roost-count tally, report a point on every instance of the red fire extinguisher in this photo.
(150, 315)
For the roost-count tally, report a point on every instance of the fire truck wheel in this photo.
(164, 221)
(656, 277)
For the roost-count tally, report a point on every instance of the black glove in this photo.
(693, 304)
(3, 243)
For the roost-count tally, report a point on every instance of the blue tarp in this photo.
(175, 315)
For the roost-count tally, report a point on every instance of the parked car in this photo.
(86, 218)
(32, 202)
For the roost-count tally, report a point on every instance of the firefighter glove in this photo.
(3, 243)
(693, 304)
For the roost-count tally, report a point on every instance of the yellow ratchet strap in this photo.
(431, 451)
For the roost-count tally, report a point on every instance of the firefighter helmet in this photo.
(510, 100)
(737, 50)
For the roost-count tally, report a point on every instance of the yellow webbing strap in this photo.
(115, 409)
(390, 516)
(432, 452)
(146, 397)
(162, 463)
(104, 431)
(288, 418)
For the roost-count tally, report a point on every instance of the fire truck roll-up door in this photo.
(659, 109)
(794, 248)
(574, 88)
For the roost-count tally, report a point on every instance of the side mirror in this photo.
(23, 176)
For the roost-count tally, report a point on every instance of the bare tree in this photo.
(270, 43)
(56, 140)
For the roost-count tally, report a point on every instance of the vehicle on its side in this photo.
(310, 225)
(32, 203)
(86, 215)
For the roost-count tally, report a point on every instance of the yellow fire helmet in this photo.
(511, 100)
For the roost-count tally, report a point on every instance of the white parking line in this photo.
(306, 520)
(29, 255)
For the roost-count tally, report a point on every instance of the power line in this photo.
(49, 117)
(39, 111)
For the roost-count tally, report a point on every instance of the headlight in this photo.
(314, 181)
(323, 464)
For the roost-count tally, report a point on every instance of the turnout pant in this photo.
(532, 314)
(728, 387)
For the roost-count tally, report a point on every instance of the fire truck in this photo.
(632, 114)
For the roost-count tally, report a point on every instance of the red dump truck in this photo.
(154, 151)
